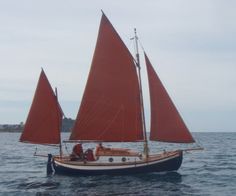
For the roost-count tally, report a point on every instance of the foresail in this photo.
(166, 122)
(43, 123)
(110, 109)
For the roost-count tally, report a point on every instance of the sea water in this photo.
(208, 172)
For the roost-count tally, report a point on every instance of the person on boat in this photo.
(77, 152)
(89, 155)
(99, 148)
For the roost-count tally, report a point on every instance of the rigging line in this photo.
(129, 42)
(141, 45)
(66, 148)
(132, 45)
(43, 144)
(198, 142)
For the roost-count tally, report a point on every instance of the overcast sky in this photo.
(191, 44)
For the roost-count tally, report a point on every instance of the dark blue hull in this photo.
(171, 164)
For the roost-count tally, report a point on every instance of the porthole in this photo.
(123, 159)
(110, 159)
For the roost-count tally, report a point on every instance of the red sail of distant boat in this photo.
(166, 122)
(110, 109)
(43, 124)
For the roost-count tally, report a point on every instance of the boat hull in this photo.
(168, 163)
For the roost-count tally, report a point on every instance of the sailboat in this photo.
(111, 110)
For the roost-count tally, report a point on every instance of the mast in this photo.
(145, 145)
(60, 146)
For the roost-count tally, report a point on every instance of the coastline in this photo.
(11, 130)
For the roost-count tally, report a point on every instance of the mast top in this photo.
(136, 48)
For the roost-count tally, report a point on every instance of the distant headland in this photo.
(67, 124)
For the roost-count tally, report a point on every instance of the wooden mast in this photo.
(145, 145)
(60, 145)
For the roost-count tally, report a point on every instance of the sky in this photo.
(191, 44)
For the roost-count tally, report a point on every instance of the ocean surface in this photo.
(208, 172)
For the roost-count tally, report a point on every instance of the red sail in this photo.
(110, 109)
(166, 123)
(44, 119)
